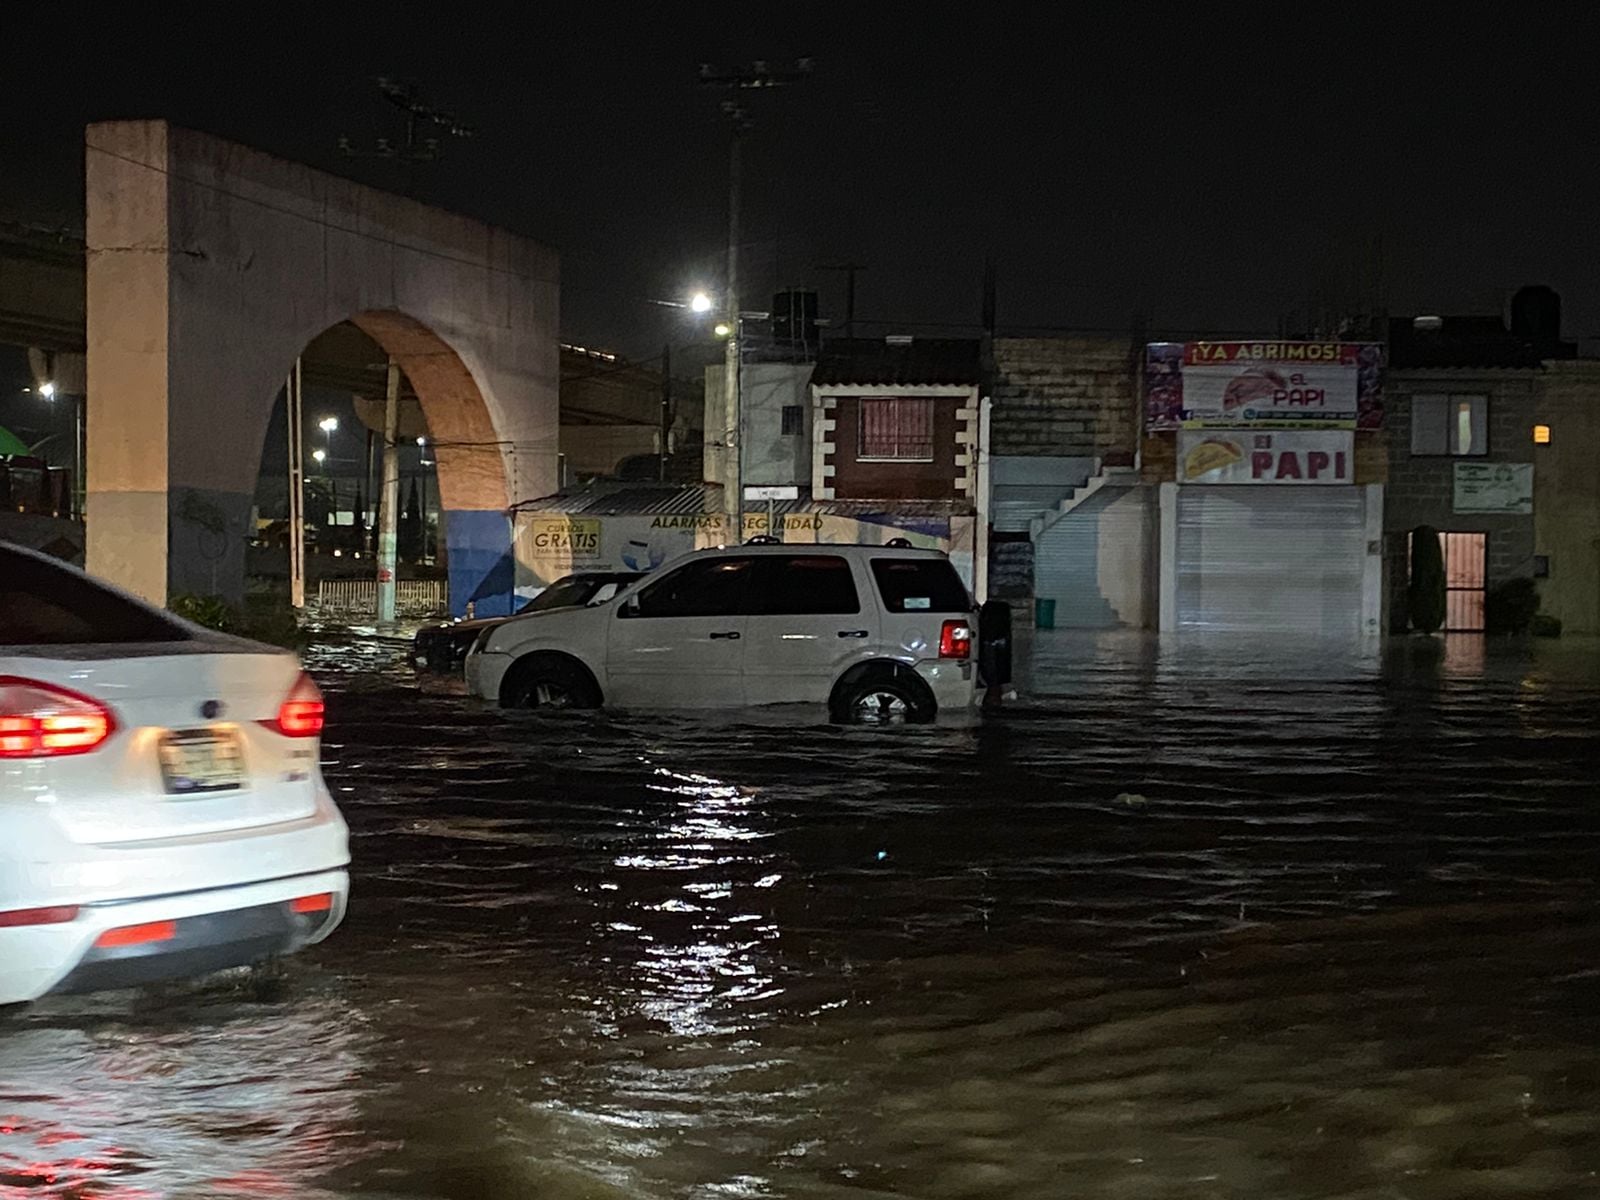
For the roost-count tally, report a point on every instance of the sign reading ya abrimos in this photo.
(1265, 384)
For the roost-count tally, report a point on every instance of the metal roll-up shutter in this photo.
(1094, 561)
(1271, 559)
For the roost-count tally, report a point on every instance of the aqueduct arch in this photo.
(211, 267)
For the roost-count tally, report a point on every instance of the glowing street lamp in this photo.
(319, 455)
(700, 303)
(328, 424)
(47, 389)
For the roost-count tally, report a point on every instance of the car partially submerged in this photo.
(878, 634)
(162, 808)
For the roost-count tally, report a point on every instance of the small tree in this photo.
(1425, 591)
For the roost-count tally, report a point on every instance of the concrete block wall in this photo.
(1077, 394)
(1566, 494)
(1421, 489)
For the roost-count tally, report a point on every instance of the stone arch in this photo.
(211, 267)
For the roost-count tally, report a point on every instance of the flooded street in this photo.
(1215, 919)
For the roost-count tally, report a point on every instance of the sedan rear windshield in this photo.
(920, 585)
(42, 604)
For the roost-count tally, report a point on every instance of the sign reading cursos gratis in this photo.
(1234, 385)
(1276, 456)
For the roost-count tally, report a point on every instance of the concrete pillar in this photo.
(128, 269)
(1168, 590)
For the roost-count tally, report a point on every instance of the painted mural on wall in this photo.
(1263, 384)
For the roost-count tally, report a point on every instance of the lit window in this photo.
(1456, 426)
(1541, 435)
(897, 430)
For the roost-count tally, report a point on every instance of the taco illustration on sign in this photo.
(1213, 454)
(1255, 386)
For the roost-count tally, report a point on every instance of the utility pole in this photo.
(297, 491)
(389, 504)
(850, 270)
(666, 407)
(734, 81)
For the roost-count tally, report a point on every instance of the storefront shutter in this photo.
(1271, 559)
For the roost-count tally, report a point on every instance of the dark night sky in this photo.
(1214, 172)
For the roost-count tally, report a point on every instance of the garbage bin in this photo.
(1044, 612)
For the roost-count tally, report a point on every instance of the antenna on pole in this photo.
(850, 269)
(403, 95)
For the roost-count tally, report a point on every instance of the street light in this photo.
(328, 424)
(47, 390)
(700, 303)
(319, 455)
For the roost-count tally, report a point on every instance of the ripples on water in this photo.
(1230, 919)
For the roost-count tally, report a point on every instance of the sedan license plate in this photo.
(196, 761)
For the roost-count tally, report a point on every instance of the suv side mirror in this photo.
(630, 607)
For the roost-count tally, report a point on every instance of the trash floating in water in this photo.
(1131, 799)
(882, 854)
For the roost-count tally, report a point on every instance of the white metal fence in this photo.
(352, 598)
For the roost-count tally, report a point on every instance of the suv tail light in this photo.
(955, 640)
(40, 720)
(301, 713)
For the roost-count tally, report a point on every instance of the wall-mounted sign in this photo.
(1283, 456)
(780, 492)
(1234, 385)
(576, 539)
(1484, 487)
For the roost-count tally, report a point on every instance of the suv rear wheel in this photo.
(883, 700)
(548, 681)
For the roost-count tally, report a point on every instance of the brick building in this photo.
(1463, 398)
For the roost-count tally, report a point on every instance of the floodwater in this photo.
(1214, 919)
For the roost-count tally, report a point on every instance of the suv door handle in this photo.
(731, 635)
(853, 633)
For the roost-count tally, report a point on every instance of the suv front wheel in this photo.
(548, 681)
(883, 699)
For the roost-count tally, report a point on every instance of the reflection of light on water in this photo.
(696, 977)
(236, 1099)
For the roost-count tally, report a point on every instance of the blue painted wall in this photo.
(482, 566)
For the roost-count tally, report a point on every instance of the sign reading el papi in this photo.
(1263, 384)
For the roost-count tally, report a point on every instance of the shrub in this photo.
(1509, 607)
(1425, 591)
(261, 619)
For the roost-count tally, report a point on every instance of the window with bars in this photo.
(898, 429)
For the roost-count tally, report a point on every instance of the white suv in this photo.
(877, 633)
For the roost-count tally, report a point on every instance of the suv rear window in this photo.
(45, 605)
(920, 585)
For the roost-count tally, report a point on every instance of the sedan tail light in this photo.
(40, 720)
(301, 713)
(955, 640)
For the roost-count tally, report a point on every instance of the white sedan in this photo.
(162, 810)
